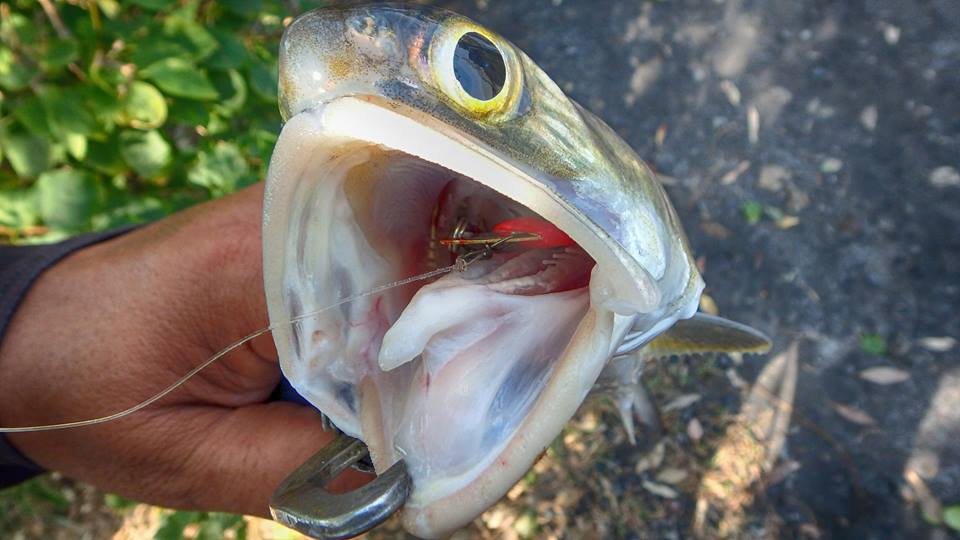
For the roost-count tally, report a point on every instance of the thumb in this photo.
(250, 451)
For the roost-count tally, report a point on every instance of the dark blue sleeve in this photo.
(20, 266)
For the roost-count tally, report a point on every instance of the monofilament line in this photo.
(225, 351)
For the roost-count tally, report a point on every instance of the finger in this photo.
(248, 454)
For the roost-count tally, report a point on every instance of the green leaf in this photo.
(951, 517)
(259, 143)
(210, 530)
(154, 5)
(147, 152)
(66, 113)
(17, 28)
(218, 125)
(33, 115)
(156, 48)
(110, 8)
(873, 344)
(144, 107)
(263, 81)
(59, 53)
(141, 209)
(179, 78)
(106, 106)
(107, 77)
(174, 522)
(752, 212)
(773, 212)
(17, 209)
(231, 53)
(29, 155)
(14, 75)
(192, 113)
(222, 170)
(170, 530)
(103, 157)
(118, 502)
(247, 8)
(233, 92)
(65, 198)
(182, 28)
(76, 145)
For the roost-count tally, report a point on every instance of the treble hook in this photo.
(303, 503)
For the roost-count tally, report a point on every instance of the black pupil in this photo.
(478, 66)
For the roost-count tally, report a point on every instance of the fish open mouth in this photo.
(468, 375)
(457, 361)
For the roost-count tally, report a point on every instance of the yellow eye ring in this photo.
(447, 64)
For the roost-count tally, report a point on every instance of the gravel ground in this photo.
(812, 151)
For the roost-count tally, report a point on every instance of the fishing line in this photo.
(230, 348)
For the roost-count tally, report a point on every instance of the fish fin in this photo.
(634, 402)
(702, 334)
(621, 384)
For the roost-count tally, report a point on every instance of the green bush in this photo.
(114, 113)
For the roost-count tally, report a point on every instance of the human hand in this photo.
(116, 322)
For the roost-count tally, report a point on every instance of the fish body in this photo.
(406, 130)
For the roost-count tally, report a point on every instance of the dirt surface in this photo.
(843, 118)
(812, 150)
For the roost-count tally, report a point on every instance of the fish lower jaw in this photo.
(454, 502)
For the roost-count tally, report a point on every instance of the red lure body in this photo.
(550, 235)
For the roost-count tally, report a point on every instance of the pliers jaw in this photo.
(303, 503)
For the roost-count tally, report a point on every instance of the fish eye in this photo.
(476, 70)
(478, 66)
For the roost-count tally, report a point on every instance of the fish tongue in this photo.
(459, 310)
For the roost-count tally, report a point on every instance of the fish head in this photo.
(406, 127)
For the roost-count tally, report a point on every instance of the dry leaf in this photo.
(736, 380)
(831, 165)
(809, 530)
(787, 222)
(671, 476)
(884, 375)
(854, 415)
(516, 491)
(660, 490)
(715, 230)
(735, 173)
(938, 344)
(945, 176)
(753, 125)
(772, 177)
(868, 117)
(661, 134)
(731, 91)
(652, 460)
(694, 430)
(929, 504)
(781, 471)
(681, 402)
